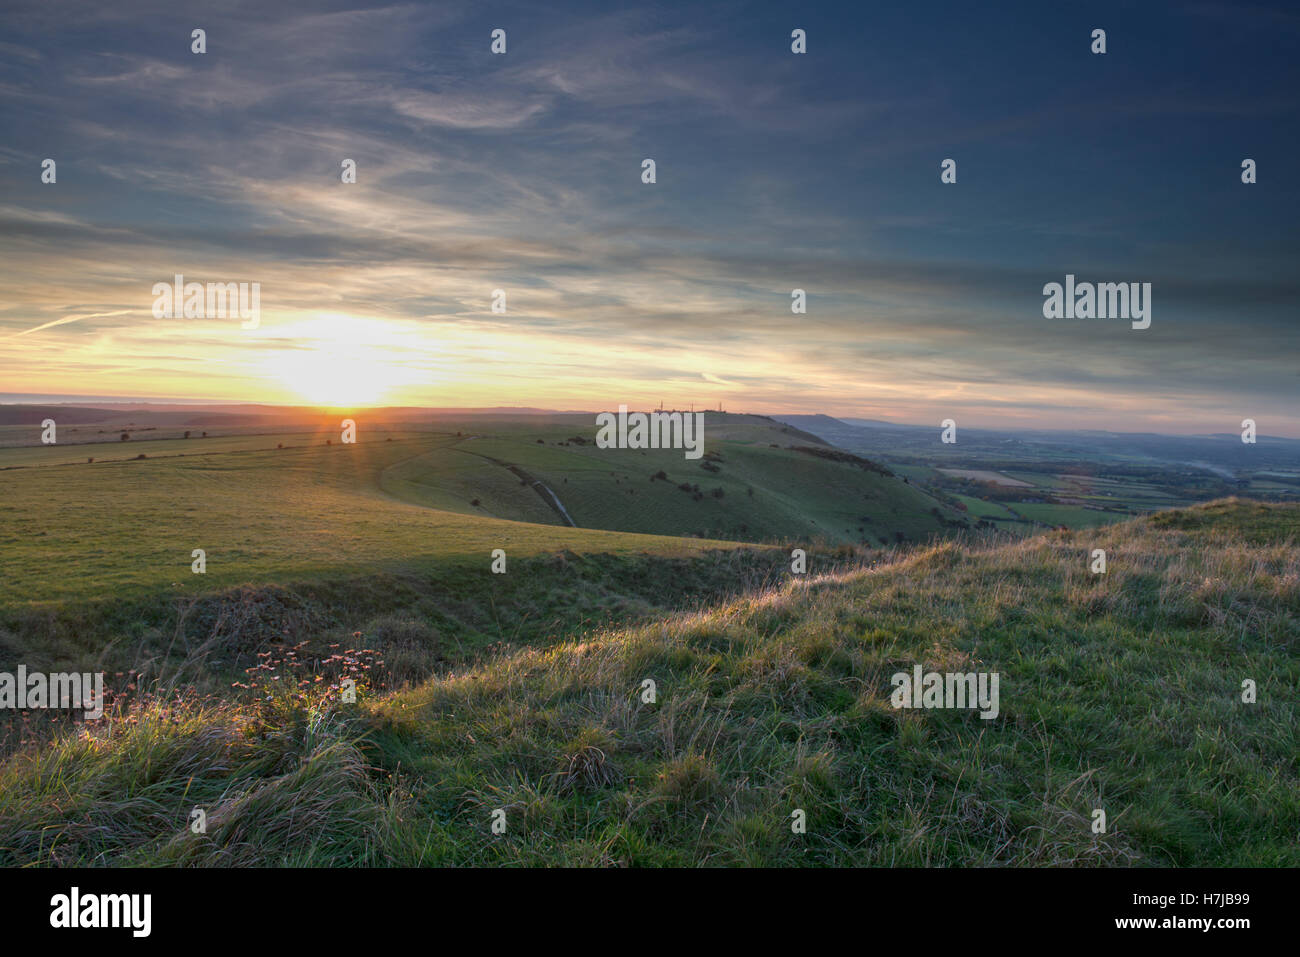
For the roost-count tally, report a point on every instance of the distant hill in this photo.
(912, 443)
(33, 415)
(758, 482)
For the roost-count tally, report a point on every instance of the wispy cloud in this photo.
(522, 172)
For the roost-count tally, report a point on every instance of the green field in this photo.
(126, 528)
(1068, 515)
(979, 508)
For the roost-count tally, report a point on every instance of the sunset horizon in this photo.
(1283, 428)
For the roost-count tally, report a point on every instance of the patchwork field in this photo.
(1024, 481)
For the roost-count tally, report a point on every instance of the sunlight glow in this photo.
(339, 361)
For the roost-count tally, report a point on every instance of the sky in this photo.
(774, 171)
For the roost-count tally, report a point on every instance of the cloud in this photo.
(521, 172)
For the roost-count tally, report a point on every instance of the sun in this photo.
(333, 380)
(337, 361)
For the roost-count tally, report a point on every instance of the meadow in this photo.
(277, 507)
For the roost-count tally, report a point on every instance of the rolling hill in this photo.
(299, 532)
(760, 481)
(269, 507)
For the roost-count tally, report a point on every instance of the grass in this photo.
(742, 491)
(982, 509)
(129, 528)
(1119, 691)
(409, 502)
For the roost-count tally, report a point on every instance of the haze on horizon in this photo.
(775, 171)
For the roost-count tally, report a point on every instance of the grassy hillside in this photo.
(1119, 692)
(756, 483)
(127, 523)
(313, 539)
(127, 528)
